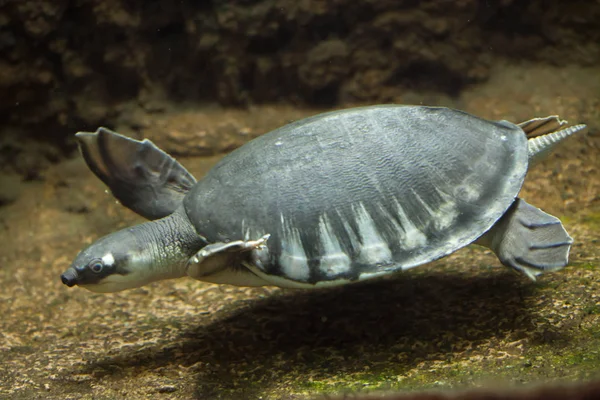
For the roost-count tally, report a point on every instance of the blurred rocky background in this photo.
(151, 66)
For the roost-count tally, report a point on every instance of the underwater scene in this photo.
(276, 199)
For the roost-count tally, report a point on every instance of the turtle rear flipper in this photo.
(141, 176)
(545, 134)
(542, 126)
(529, 240)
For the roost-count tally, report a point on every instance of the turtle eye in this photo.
(96, 266)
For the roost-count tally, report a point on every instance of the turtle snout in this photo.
(69, 278)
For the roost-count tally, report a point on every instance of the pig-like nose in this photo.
(69, 278)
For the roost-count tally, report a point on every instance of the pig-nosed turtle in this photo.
(336, 198)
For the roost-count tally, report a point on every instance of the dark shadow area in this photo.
(324, 333)
(428, 76)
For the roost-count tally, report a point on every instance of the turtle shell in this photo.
(352, 194)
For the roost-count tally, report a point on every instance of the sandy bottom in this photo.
(463, 321)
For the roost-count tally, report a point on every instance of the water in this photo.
(460, 322)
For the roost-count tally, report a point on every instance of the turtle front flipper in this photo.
(141, 176)
(212, 259)
(529, 240)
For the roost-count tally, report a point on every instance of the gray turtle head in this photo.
(113, 263)
(136, 256)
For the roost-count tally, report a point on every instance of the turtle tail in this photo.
(529, 240)
(545, 134)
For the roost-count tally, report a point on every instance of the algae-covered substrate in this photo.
(462, 321)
